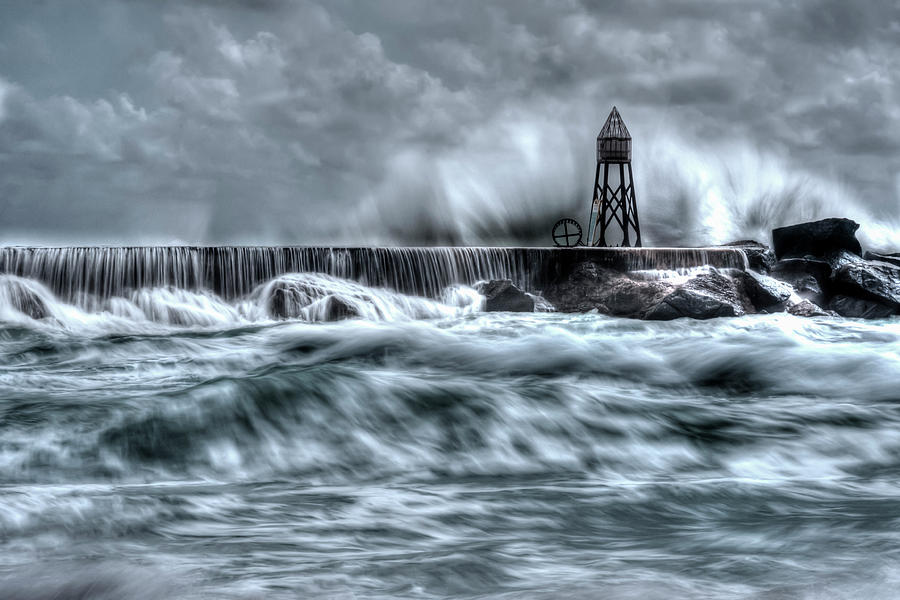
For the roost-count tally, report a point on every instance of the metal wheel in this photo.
(567, 233)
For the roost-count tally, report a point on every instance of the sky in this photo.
(416, 122)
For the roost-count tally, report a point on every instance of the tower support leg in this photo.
(632, 203)
(594, 205)
(604, 204)
(623, 203)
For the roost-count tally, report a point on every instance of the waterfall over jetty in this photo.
(234, 271)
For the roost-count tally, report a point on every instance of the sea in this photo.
(171, 441)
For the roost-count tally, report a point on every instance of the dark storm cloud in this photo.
(464, 122)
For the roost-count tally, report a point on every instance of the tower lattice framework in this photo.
(614, 204)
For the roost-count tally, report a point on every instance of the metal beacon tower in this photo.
(614, 195)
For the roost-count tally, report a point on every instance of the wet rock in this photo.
(838, 259)
(860, 308)
(581, 291)
(893, 258)
(285, 303)
(592, 288)
(706, 296)
(760, 257)
(541, 304)
(687, 303)
(808, 288)
(26, 300)
(626, 297)
(333, 308)
(292, 300)
(765, 293)
(816, 238)
(501, 295)
(805, 308)
(875, 281)
(810, 278)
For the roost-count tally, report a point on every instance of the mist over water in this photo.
(508, 184)
(175, 444)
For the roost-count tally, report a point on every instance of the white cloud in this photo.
(306, 122)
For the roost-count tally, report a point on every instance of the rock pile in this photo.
(502, 295)
(824, 263)
(815, 269)
(706, 295)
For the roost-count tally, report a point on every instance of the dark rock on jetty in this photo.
(838, 259)
(591, 287)
(870, 281)
(289, 300)
(847, 306)
(821, 265)
(833, 273)
(893, 259)
(501, 295)
(706, 296)
(765, 293)
(760, 257)
(818, 238)
(26, 301)
(334, 308)
(615, 293)
(805, 308)
(810, 277)
(281, 303)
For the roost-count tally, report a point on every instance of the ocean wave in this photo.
(297, 296)
(476, 394)
(475, 454)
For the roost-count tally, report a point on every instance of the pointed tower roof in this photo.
(614, 127)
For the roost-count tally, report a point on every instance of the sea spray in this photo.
(298, 296)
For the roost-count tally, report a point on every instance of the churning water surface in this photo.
(175, 445)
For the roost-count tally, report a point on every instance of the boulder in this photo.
(626, 297)
(26, 300)
(817, 238)
(689, 303)
(593, 288)
(503, 295)
(759, 256)
(581, 290)
(706, 296)
(764, 292)
(541, 304)
(893, 258)
(810, 278)
(860, 308)
(875, 281)
(332, 308)
(292, 299)
(283, 304)
(760, 259)
(838, 259)
(805, 308)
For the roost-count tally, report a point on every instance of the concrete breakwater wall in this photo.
(234, 271)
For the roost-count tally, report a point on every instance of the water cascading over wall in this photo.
(234, 271)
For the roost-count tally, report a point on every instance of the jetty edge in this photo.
(814, 269)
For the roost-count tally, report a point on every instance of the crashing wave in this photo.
(316, 297)
(298, 296)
